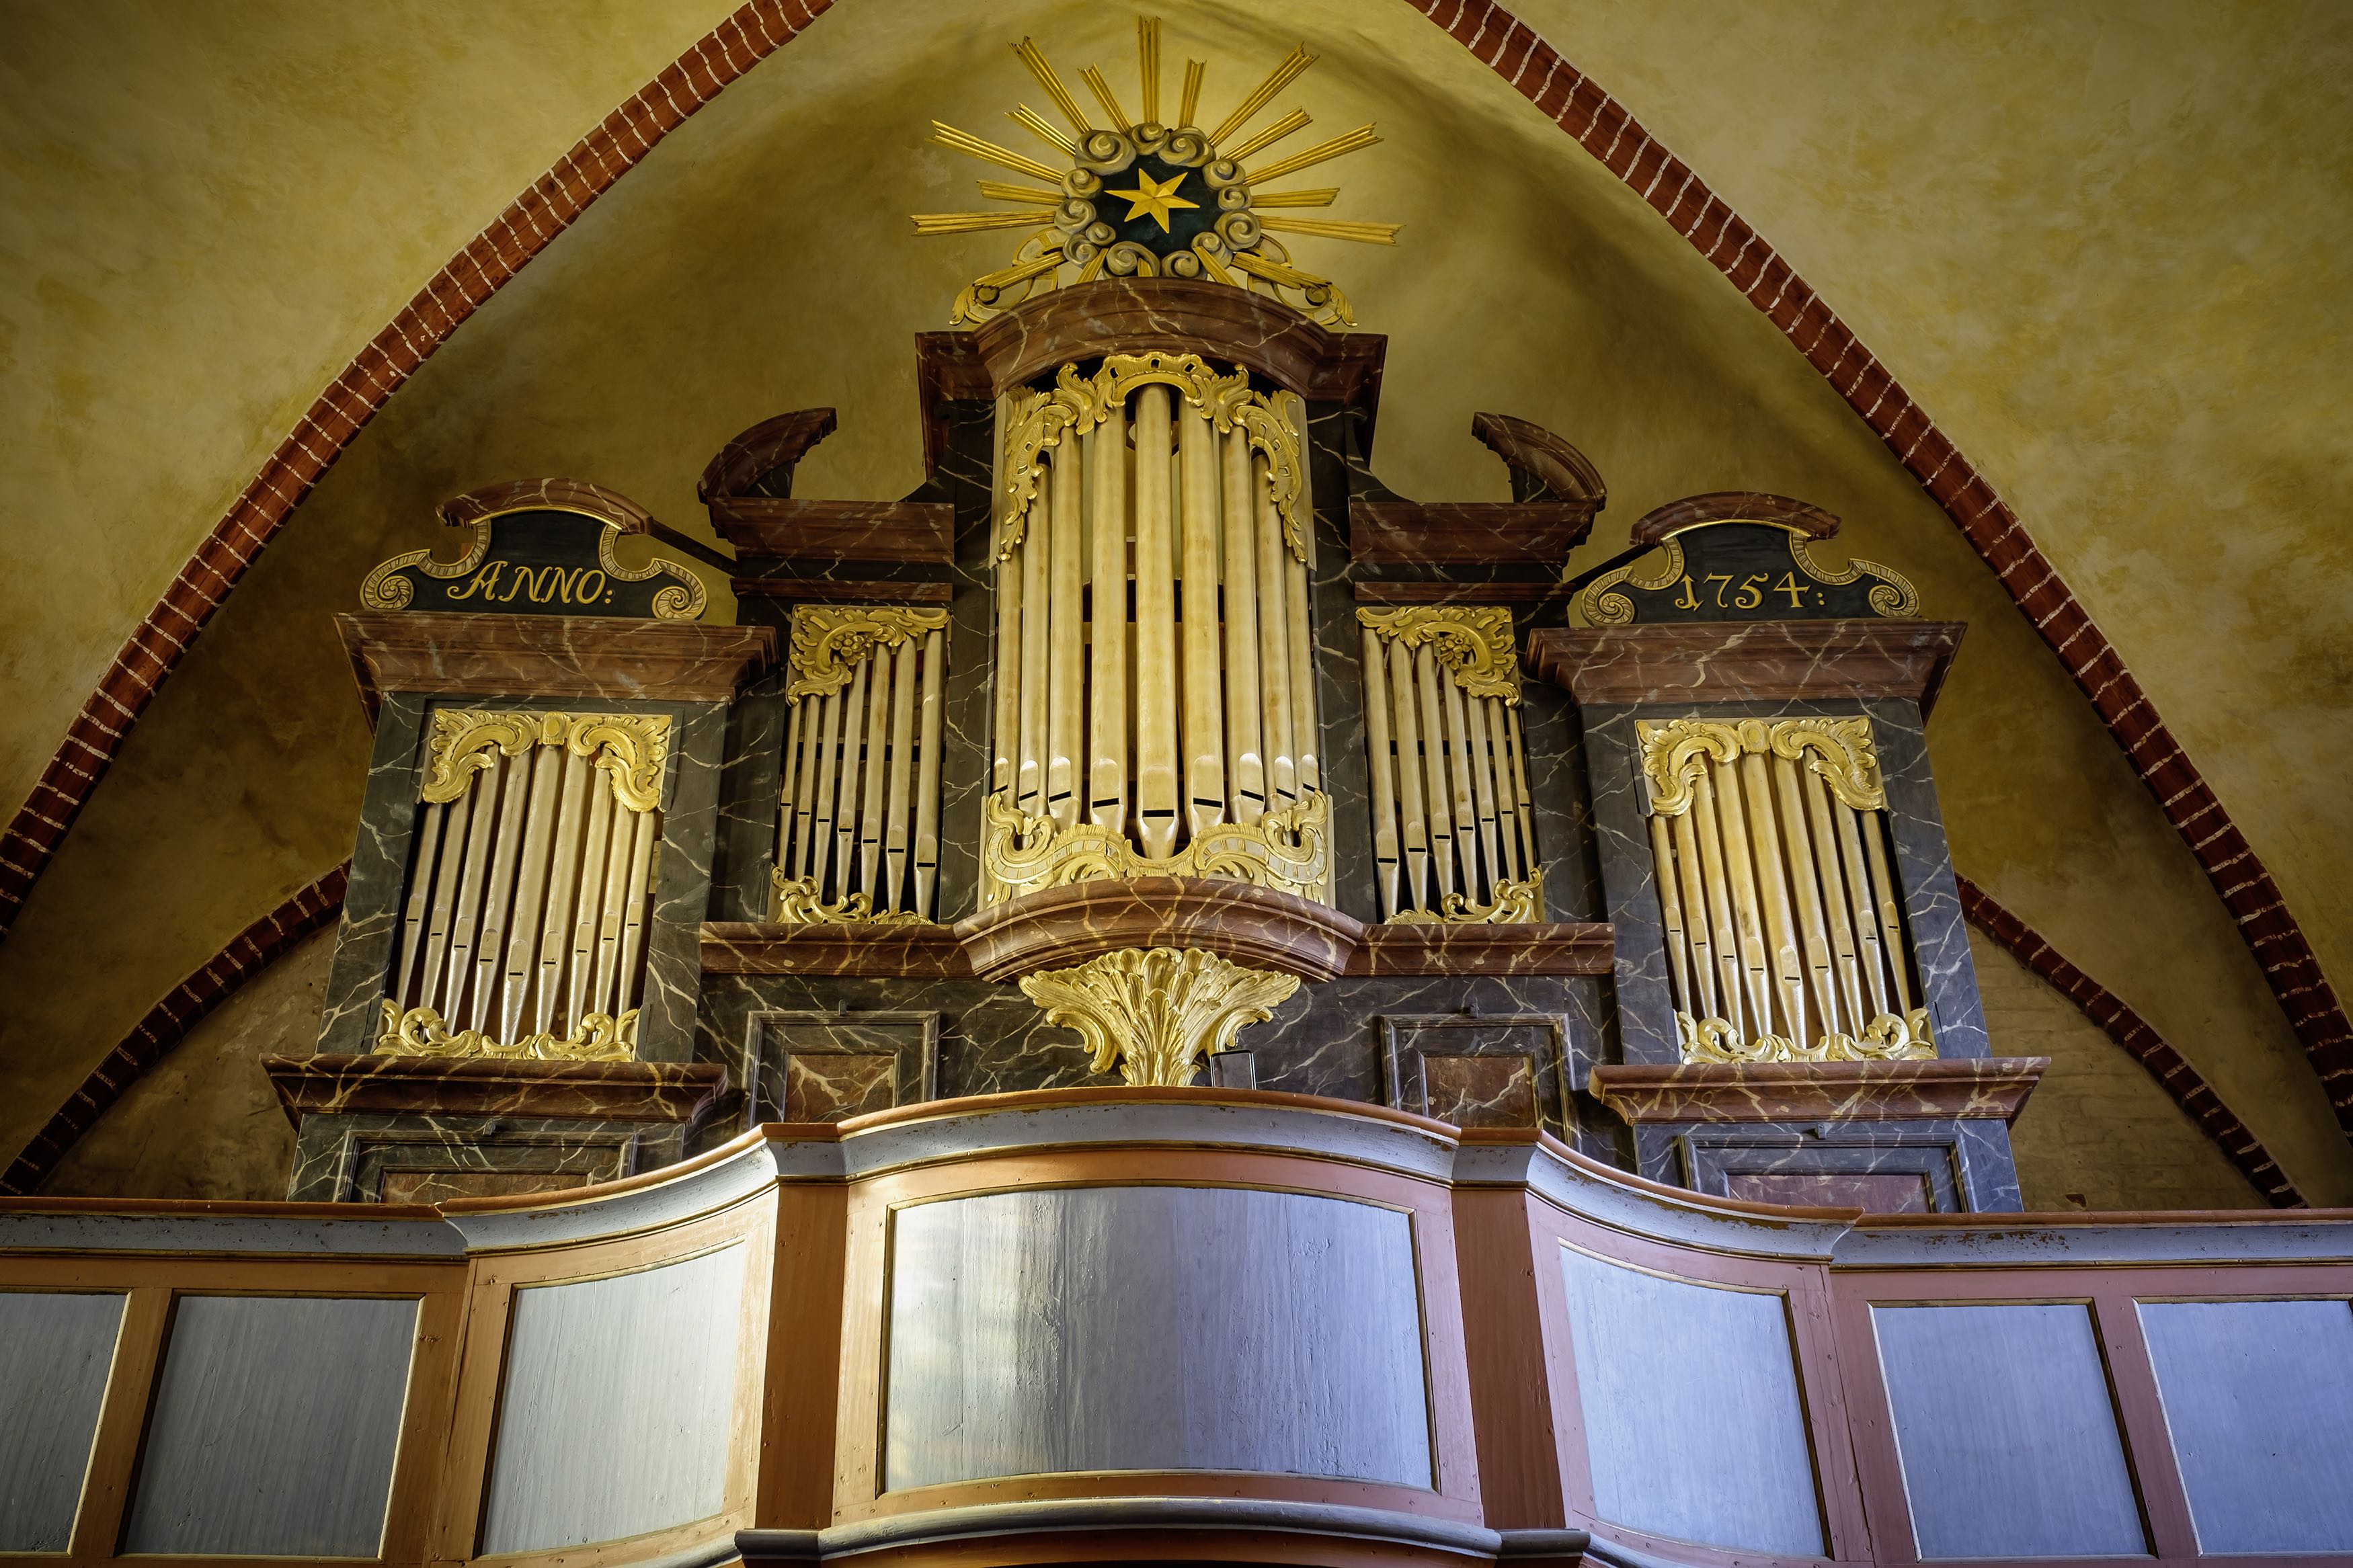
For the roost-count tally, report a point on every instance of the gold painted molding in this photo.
(1676, 751)
(420, 1032)
(1288, 850)
(1157, 1011)
(1041, 420)
(1889, 1038)
(1474, 643)
(830, 641)
(631, 749)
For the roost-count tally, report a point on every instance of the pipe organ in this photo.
(857, 825)
(1453, 823)
(1784, 933)
(525, 927)
(1154, 708)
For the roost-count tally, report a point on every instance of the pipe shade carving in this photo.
(1158, 1011)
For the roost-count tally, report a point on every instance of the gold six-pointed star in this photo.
(1152, 196)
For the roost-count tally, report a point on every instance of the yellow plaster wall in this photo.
(2108, 244)
(760, 261)
(205, 210)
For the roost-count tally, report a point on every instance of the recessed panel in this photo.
(617, 1406)
(1692, 1420)
(274, 1426)
(2259, 1401)
(1155, 1328)
(55, 1352)
(2007, 1432)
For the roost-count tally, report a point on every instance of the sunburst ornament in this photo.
(1184, 205)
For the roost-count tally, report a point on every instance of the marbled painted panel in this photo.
(440, 1186)
(1482, 1092)
(1555, 754)
(350, 1017)
(1874, 1192)
(1693, 1425)
(2259, 1400)
(2007, 1432)
(1964, 1165)
(749, 780)
(1646, 1005)
(966, 457)
(1499, 1071)
(833, 1086)
(681, 886)
(617, 1406)
(57, 1349)
(348, 1158)
(1198, 1329)
(1924, 864)
(1340, 707)
(274, 1426)
(823, 1065)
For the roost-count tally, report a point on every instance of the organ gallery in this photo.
(1154, 996)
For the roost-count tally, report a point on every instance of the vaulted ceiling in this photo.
(2104, 247)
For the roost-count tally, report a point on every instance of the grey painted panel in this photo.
(274, 1427)
(617, 1407)
(2259, 1400)
(1154, 1328)
(2007, 1432)
(1692, 1420)
(55, 1352)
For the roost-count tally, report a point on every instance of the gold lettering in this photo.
(1752, 592)
(483, 582)
(1690, 601)
(1790, 584)
(1722, 582)
(582, 593)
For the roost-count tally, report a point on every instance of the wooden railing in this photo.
(1213, 1324)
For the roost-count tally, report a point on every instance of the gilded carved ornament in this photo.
(831, 641)
(1891, 593)
(1675, 752)
(1158, 1011)
(1517, 903)
(1474, 642)
(384, 588)
(630, 748)
(1888, 1038)
(800, 902)
(421, 1031)
(1287, 849)
(1078, 403)
(1187, 206)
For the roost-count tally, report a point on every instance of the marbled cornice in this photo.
(1747, 662)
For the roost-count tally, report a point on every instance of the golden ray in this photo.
(1094, 77)
(1284, 74)
(965, 142)
(1217, 269)
(1295, 120)
(1335, 228)
(1361, 137)
(1020, 271)
(1323, 198)
(1194, 72)
(1036, 62)
(1148, 63)
(970, 223)
(1030, 120)
(1034, 197)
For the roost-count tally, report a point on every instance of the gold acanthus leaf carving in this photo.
(631, 749)
(800, 902)
(1888, 1038)
(1473, 641)
(1675, 752)
(1286, 849)
(830, 641)
(1078, 403)
(1517, 903)
(422, 1032)
(1157, 1011)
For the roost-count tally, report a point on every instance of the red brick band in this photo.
(2130, 1030)
(1605, 128)
(168, 1022)
(471, 277)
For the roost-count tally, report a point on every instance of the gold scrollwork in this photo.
(800, 902)
(422, 1032)
(1473, 641)
(629, 748)
(1078, 404)
(1893, 594)
(1517, 903)
(1157, 1011)
(1676, 751)
(683, 600)
(831, 641)
(1601, 606)
(1287, 849)
(1888, 1038)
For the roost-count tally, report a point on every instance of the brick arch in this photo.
(1609, 130)
(484, 266)
(1497, 38)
